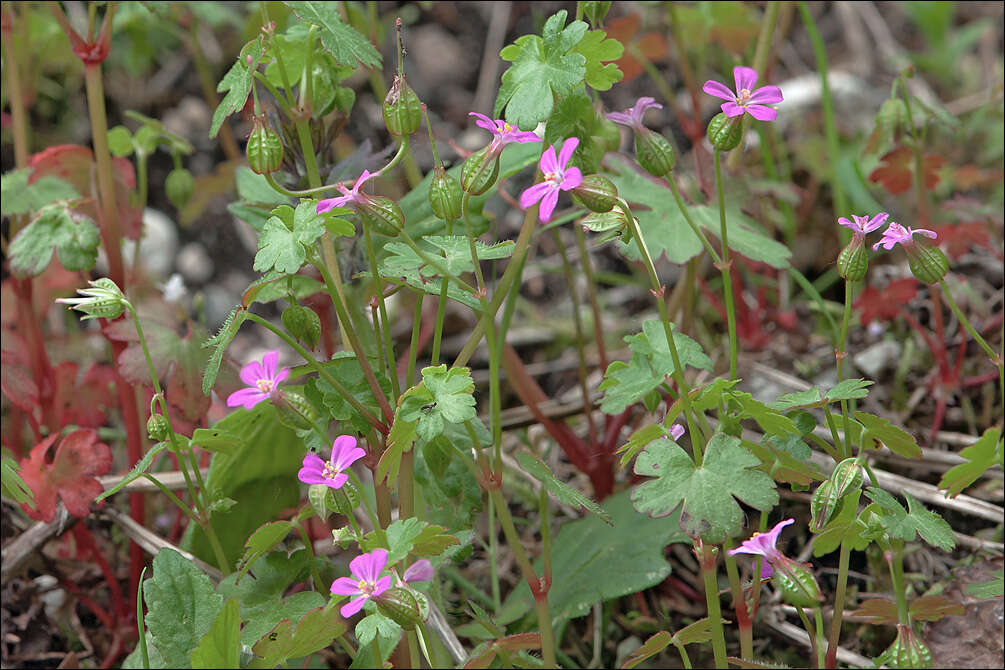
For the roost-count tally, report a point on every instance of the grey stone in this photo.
(194, 263)
(877, 357)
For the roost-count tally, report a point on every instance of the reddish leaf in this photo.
(884, 305)
(70, 474)
(895, 172)
(958, 239)
(15, 374)
(75, 164)
(967, 177)
(83, 403)
(933, 608)
(652, 45)
(877, 611)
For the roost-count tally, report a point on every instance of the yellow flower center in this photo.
(329, 472)
(507, 128)
(744, 96)
(264, 385)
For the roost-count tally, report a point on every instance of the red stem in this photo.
(86, 540)
(87, 602)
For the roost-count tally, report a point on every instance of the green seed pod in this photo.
(178, 187)
(597, 193)
(444, 195)
(479, 171)
(724, 132)
(294, 410)
(399, 605)
(158, 428)
(317, 494)
(853, 261)
(402, 108)
(594, 11)
(847, 476)
(382, 215)
(343, 499)
(265, 149)
(654, 153)
(891, 117)
(907, 651)
(302, 323)
(927, 263)
(796, 583)
(822, 505)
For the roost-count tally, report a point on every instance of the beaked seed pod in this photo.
(907, 651)
(444, 195)
(597, 193)
(302, 323)
(480, 170)
(853, 261)
(847, 476)
(796, 582)
(822, 505)
(382, 215)
(724, 132)
(402, 108)
(158, 428)
(399, 605)
(317, 494)
(343, 499)
(654, 153)
(178, 187)
(265, 149)
(927, 263)
(293, 410)
(891, 117)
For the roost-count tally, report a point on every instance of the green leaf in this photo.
(639, 439)
(453, 496)
(904, 524)
(237, 83)
(261, 542)
(313, 632)
(213, 439)
(705, 494)
(593, 561)
(895, 439)
(141, 467)
(846, 390)
(346, 369)
(597, 48)
(221, 646)
(120, 141)
(253, 187)
(666, 231)
(771, 421)
(575, 116)
(452, 253)
(562, 491)
(181, 606)
(542, 69)
(73, 237)
(654, 645)
(342, 41)
(284, 240)
(374, 626)
(17, 196)
(14, 487)
(994, 588)
(220, 342)
(981, 455)
(849, 389)
(409, 535)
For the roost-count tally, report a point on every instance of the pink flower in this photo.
(897, 234)
(863, 224)
(502, 132)
(763, 544)
(262, 380)
(746, 98)
(557, 176)
(676, 431)
(420, 571)
(353, 197)
(368, 583)
(344, 453)
(632, 117)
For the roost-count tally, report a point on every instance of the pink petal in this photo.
(484, 121)
(420, 571)
(359, 182)
(766, 95)
(924, 231)
(353, 606)
(330, 204)
(269, 363)
(534, 193)
(247, 397)
(731, 109)
(382, 585)
(876, 222)
(345, 452)
(367, 567)
(718, 89)
(280, 376)
(848, 224)
(762, 113)
(549, 163)
(568, 147)
(345, 586)
(252, 372)
(745, 78)
(313, 461)
(572, 178)
(622, 118)
(766, 569)
(309, 476)
(676, 431)
(548, 203)
(336, 482)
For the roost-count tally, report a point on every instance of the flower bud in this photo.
(444, 195)
(606, 222)
(158, 428)
(907, 651)
(796, 583)
(382, 214)
(480, 170)
(302, 323)
(402, 108)
(853, 261)
(343, 499)
(294, 411)
(399, 605)
(103, 300)
(654, 153)
(847, 476)
(927, 263)
(724, 132)
(891, 117)
(822, 505)
(597, 193)
(178, 187)
(265, 149)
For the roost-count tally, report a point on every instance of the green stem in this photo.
(591, 285)
(299, 194)
(809, 630)
(413, 344)
(406, 486)
(849, 291)
(839, 595)
(827, 103)
(690, 222)
(743, 623)
(685, 659)
(493, 560)
(996, 357)
(896, 561)
(819, 638)
(140, 627)
(726, 267)
(761, 53)
(382, 328)
(706, 557)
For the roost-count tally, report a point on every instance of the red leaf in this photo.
(15, 374)
(83, 403)
(652, 45)
(896, 170)
(70, 474)
(884, 305)
(957, 239)
(876, 611)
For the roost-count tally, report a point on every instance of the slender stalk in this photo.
(18, 109)
(706, 558)
(413, 344)
(839, 595)
(996, 357)
(849, 292)
(760, 62)
(726, 267)
(743, 622)
(382, 330)
(493, 554)
(591, 285)
(406, 486)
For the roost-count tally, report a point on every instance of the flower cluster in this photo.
(746, 99)
(331, 473)
(502, 132)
